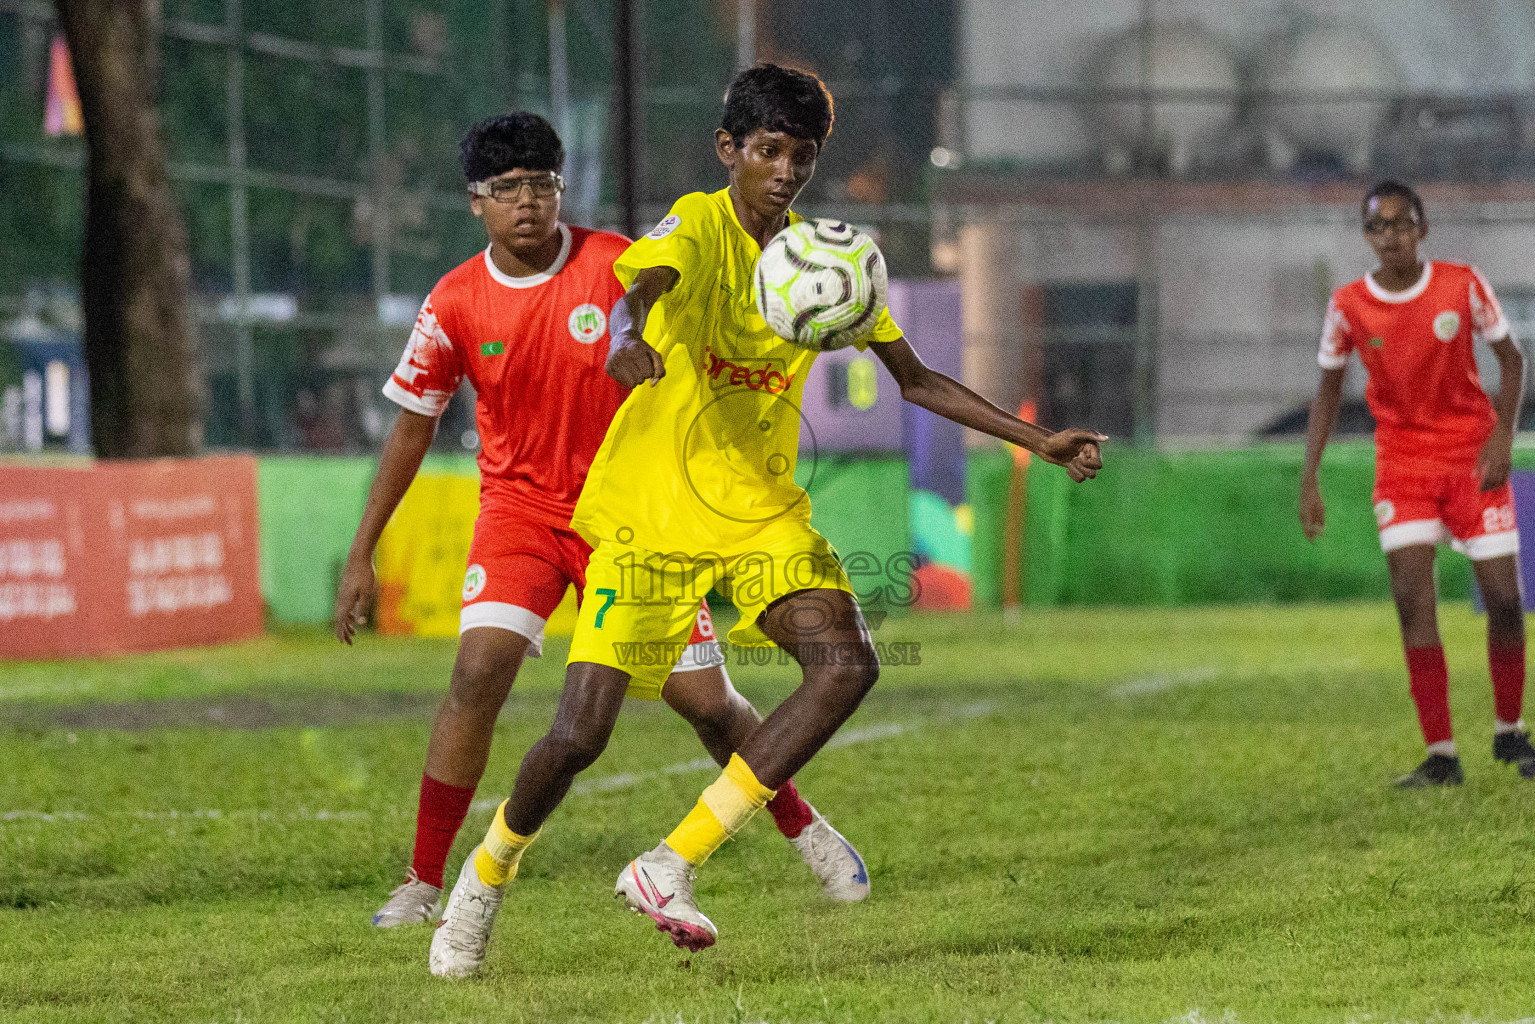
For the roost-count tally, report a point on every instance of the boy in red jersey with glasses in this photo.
(1443, 454)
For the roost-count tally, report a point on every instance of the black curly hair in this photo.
(507, 141)
(779, 99)
(1392, 188)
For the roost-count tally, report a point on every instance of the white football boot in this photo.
(458, 944)
(660, 884)
(414, 902)
(841, 872)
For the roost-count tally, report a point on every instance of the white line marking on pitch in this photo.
(1158, 683)
(1164, 681)
(584, 787)
(628, 780)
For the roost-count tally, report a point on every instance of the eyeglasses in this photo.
(507, 190)
(1401, 226)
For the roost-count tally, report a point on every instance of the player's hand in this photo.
(1496, 460)
(1313, 514)
(633, 361)
(1077, 450)
(358, 590)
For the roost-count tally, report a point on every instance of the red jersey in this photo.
(534, 348)
(1418, 348)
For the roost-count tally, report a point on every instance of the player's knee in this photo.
(479, 683)
(857, 675)
(575, 750)
(711, 709)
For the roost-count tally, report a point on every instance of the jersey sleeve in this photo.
(429, 371)
(1337, 338)
(1488, 324)
(679, 242)
(883, 332)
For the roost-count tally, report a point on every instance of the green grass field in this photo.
(1136, 816)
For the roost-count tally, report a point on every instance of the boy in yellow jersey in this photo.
(694, 487)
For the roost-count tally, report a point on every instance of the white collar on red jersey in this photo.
(1403, 296)
(532, 280)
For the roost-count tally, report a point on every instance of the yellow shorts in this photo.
(638, 607)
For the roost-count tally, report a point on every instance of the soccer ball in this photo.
(821, 284)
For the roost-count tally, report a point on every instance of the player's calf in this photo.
(808, 718)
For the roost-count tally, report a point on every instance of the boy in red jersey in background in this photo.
(1443, 454)
(526, 322)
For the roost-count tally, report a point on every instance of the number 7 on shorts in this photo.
(609, 595)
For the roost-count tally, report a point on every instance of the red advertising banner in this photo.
(44, 562)
(130, 556)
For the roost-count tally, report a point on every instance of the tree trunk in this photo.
(140, 347)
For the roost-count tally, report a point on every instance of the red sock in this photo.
(438, 819)
(1507, 667)
(790, 813)
(1429, 681)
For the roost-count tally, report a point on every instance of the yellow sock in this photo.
(496, 859)
(725, 807)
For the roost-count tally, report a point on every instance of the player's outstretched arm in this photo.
(1324, 415)
(631, 360)
(939, 393)
(1497, 457)
(404, 449)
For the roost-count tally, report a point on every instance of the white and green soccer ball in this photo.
(821, 284)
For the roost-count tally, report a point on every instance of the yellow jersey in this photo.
(703, 462)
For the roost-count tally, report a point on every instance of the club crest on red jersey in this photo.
(587, 322)
(474, 582)
(1447, 325)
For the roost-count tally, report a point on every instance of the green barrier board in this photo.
(1188, 528)
(1155, 528)
(860, 505)
(309, 510)
(310, 507)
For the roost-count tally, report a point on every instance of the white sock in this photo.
(1499, 727)
(1445, 747)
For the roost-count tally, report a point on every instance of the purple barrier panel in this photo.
(929, 313)
(851, 403)
(1524, 514)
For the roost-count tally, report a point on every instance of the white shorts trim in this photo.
(505, 616)
(699, 656)
(1489, 545)
(1417, 531)
(1433, 531)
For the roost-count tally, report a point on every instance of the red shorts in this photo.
(519, 571)
(1428, 506)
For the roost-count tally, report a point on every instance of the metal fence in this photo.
(315, 148)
